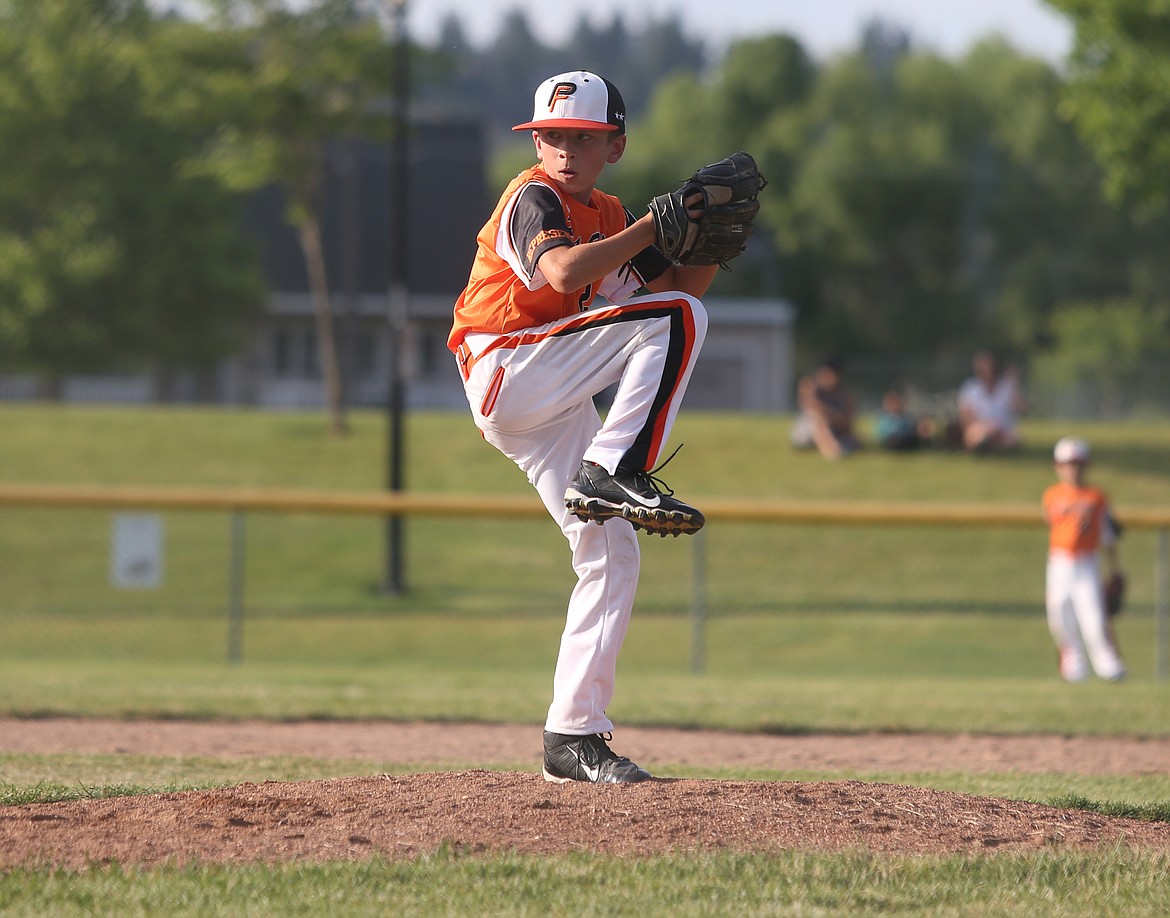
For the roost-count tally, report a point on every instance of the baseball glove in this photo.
(710, 217)
(1114, 593)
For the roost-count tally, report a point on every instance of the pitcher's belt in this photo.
(469, 351)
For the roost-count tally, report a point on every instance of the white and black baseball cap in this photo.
(1071, 449)
(577, 99)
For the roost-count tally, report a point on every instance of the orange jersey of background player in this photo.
(506, 290)
(1077, 518)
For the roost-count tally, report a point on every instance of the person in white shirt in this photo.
(990, 404)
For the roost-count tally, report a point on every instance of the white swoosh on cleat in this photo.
(656, 502)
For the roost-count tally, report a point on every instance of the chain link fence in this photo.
(100, 582)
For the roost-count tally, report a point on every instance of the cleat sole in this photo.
(554, 779)
(654, 522)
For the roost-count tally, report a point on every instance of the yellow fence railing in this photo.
(407, 503)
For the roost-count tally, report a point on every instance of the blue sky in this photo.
(823, 26)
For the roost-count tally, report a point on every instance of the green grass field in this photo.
(809, 628)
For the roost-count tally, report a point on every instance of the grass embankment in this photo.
(810, 628)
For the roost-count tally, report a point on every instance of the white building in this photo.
(746, 363)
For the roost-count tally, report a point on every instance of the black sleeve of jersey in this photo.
(537, 224)
(650, 262)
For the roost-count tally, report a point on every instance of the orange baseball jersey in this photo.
(506, 290)
(1077, 518)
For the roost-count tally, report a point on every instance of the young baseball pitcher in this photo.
(1079, 525)
(569, 294)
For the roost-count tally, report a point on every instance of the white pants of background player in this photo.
(1077, 619)
(531, 394)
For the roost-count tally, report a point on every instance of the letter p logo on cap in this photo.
(559, 93)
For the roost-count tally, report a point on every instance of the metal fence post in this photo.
(1162, 605)
(699, 604)
(235, 648)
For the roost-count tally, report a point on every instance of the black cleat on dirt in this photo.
(587, 758)
(638, 497)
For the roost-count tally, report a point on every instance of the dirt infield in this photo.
(514, 810)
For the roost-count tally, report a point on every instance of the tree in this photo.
(690, 121)
(277, 87)
(662, 50)
(1099, 352)
(512, 67)
(110, 258)
(602, 49)
(877, 200)
(760, 79)
(1116, 95)
(928, 205)
(1045, 233)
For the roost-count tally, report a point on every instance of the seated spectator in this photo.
(827, 410)
(897, 429)
(989, 406)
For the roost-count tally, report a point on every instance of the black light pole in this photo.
(398, 305)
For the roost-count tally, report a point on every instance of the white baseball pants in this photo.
(1077, 619)
(531, 395)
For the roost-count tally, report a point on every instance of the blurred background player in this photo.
(1080, 525)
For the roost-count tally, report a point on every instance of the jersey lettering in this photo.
(540, 240)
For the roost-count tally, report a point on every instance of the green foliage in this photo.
(764, 76)
(940, 202)
(667, 145)
(1117, 95)
(495, 84)
(108, 258)
(917, 204)
(280, 88)
(875, 203)
(1099, 349)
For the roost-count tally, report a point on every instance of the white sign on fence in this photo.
(136, 551)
